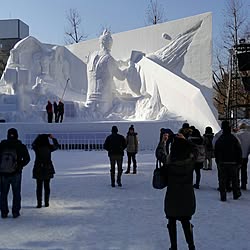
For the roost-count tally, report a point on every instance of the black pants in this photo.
(131, 158)
(197, 168)
(187, 229)
(243, 171)
(50, 117)
(40, 184)
(60, 117)
(228, 172)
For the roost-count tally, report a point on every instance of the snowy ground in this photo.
(86, 213)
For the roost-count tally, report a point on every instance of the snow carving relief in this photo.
(102, 88)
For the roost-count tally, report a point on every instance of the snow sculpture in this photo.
(101, 69)
(154, 70)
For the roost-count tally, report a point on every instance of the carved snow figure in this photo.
(102, 67)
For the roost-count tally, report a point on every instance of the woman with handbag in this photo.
(180, 198)
(43, 169)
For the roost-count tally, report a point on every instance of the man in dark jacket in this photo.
(115, 145)
(60, 110)
(12, 177)
(228, 157)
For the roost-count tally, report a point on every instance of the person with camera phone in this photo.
(43, 169)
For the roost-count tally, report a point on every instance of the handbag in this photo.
(160, 179)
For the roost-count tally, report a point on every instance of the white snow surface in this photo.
(87, 213)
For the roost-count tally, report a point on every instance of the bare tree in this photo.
(228, 88)
(73, 34)
(155, 13)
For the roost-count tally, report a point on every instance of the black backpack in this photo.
(8, 161)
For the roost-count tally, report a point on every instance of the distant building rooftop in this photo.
(13, 29)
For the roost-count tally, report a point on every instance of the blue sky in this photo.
(47, 18)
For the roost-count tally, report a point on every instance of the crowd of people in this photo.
(56, 110)
(14, 156)
(182, 155)
(188, 152)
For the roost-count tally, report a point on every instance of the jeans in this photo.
(116, 159)
(15, 182)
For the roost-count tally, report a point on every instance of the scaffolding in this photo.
(238, 104)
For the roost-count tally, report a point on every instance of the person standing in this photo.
(49, 110)
(180, 203)
(14, 156)
(132, 149)
(244, 136)
(60, 109)
(199, 154)
(55, 107)
(162, 150)
(43, 170)
(228, 157)
(208, 142)
(115, 144)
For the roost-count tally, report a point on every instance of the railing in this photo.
(75, 141)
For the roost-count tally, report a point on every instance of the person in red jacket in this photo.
(49, 110)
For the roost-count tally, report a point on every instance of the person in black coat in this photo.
(43, 169)
(55, 108)
(60, 111)
(180, 201)
(49, 110)
(12, 179)
(115, 145)
(228, 157)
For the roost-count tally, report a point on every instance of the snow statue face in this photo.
(106, 40)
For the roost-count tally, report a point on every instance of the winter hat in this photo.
(196, 133)
(225, 127)
(12, 133)
(114, 129)
(131, 127)
(208, 130)
(185, 125)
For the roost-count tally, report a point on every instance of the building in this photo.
(11, 31)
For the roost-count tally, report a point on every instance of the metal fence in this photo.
(72, 141)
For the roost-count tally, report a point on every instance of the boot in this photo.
(46, 200)
(39, 204)
(128, 170)
(134, 170)
(188, 232)
(173, 236)
(39, 197)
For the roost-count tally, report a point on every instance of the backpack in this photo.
(200, 153)
(8, 161)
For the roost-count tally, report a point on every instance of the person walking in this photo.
(43, 170)
(14, 156)
(199, 153)
(49, 110)
(115, 144)
(132, 149)
(209, 151)
(60, 109)
(55, 107)
(180, 202)
(244, 136)
(228, 157)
